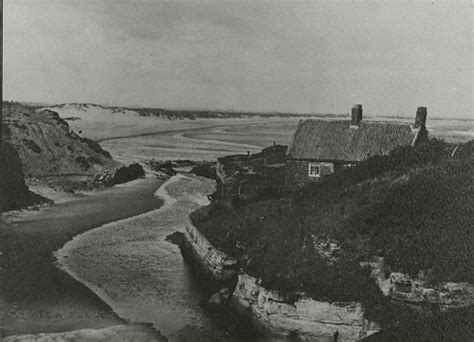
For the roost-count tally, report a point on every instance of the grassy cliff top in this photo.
(414, 207)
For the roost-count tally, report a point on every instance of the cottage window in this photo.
(314, 170)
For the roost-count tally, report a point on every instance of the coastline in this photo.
(37, 297)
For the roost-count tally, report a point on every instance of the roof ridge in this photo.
(385, 122)
(335, 140)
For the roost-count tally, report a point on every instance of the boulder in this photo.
(119, 175)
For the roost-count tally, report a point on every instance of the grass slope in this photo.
(47, 146)
(414, 207)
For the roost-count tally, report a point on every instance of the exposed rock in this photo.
(14, 192)
(419, 292)
(175, 238)
(326, 248)
(219, 299)
(162, 167)
(120, 175)
(400, 282)
(304, 319)
(169, 168)
(270, 313)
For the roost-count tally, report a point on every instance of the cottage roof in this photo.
(339, 141)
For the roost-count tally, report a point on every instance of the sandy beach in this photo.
(37, 297)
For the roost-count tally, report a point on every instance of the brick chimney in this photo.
(356, 115)
(420, 119)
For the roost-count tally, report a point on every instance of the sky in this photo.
(276, 56)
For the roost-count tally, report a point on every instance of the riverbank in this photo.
(36, 296)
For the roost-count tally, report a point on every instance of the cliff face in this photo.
(14, 192)
(304, 319)
(418, 291)
(268, 311)
(46, 145)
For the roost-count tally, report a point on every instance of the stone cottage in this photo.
(321, 147)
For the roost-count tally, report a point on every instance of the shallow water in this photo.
(143, 277)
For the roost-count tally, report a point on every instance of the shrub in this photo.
(31, 145)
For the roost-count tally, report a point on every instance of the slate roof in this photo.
(338, 141)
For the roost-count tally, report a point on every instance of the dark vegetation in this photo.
(405, 325)
(206, 114)
(95, 146)
(205, 169)
(169, 168)
(252, 177)
(414, 207)
(31, 145)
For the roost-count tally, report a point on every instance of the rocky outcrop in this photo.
(418, 292)
(304, 319)
(167, 168)
(14, 192)
(269, 312)
(119, 175)
(214, 268)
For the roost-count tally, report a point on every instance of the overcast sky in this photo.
(287, 56)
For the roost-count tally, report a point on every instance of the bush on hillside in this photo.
(415, 207)
(399, 161)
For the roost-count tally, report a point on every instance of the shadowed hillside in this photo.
(14, 192)
(41, 149)
(48, 147)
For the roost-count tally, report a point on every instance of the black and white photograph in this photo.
(237, 170)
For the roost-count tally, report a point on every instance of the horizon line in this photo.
(235, 111)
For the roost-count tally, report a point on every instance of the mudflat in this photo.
(36, 296)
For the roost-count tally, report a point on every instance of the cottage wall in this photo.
(296, 172)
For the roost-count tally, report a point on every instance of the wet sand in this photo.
(132, 266)
(36, 296)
